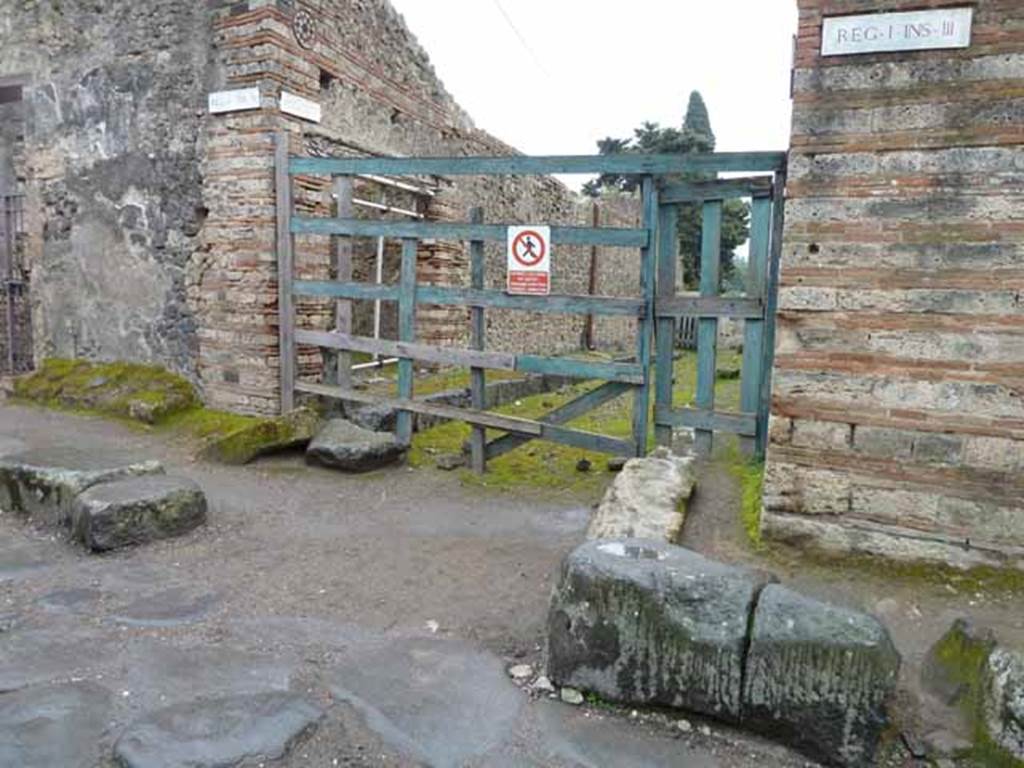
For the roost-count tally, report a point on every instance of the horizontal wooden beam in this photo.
(718, 189)
(573, 409)
(330, 289)
(626, 373)
(709, 306)
(587, 441)
(423, 352)
(718, 421)
(560, 304)
(482, 418)
(443, 230)
(555, 304)
(751, 162)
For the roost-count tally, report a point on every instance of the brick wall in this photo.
(898, 424)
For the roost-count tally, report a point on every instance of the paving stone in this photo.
(217, 732)
(819, 677)
(53, 725)
(346, 446)
(645, 622)
(647, 499)
(44, 484)
(419, 694)
(169, 608)
(137, 511)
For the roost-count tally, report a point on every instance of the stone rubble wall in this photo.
(115, 94)
(898, 417)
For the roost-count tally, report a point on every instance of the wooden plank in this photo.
(343, 274)
(423, 352)
(710, 306)
(475, 297)
(718, 189)
(707, 328)
(408, 405)
(645, 330)
(752, 162)
(665, 328)
(554, 304)
(477, 340)
(588, 441)
(407, 333)
(753, 328)
(629, 373)
(565, 413)
(285, 257)
(444, 230)
(771, 306)
(327, 289)
(710, 421)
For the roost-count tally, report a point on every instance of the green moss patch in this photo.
(258, 437)
(145, 393)
(551, 468)
(750, 475)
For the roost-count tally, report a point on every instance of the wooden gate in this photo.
(620, 378)
(756, 308)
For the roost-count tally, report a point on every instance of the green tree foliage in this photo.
(695, 136)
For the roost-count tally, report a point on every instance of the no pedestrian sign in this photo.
(529, 260)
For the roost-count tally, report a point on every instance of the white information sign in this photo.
(234, 101)
(909, 31)
(300, 107)
(529, 260)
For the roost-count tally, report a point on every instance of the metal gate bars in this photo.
(619, 377)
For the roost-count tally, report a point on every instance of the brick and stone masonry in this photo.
(898, 409)
(150, 223)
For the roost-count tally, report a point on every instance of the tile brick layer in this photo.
(898, 401)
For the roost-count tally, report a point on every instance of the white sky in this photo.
(593, 68)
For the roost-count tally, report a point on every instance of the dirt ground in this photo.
(395, 598)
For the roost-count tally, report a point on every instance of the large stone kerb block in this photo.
(642, 621)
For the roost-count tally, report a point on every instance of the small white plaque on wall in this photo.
(909, 31)
(234, 101)
(300, 107)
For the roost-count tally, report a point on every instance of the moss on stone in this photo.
(750, 475)
(958, 663)
(260, 437)
(145, 393)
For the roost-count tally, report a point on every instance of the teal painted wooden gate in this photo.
(654, 239)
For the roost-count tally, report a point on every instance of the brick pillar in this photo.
(898, 413)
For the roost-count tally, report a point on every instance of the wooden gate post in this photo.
(285, 255)
(754, 328)
(477, 380)
(668, 258)
(406, 332)
(642, 398)
(707, 330)
(342, 373)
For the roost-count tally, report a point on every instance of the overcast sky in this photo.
(554, 76)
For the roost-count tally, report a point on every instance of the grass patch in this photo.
(550, 467)
(750, 475)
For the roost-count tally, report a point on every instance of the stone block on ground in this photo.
(290, 431)
(217, 732)
(1003, 701)
(645, 622)
(647, 499)
(818, 677)
(44, 484)
(137, 511)
(340, 444)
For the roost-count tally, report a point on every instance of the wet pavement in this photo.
(318, 620)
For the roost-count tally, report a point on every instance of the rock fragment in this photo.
(346, 446)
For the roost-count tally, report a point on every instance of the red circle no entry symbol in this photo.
(529, 248)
